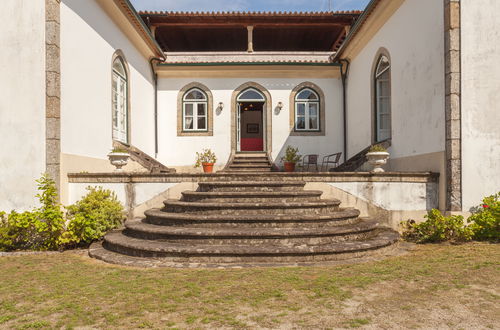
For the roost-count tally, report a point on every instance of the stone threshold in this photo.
(132, 177)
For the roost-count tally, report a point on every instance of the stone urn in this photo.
(377, 159)
(118, 160)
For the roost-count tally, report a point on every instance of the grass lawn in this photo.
(434, 286)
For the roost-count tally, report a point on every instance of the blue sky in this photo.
(248, 5)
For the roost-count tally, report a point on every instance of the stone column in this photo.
(453, 105)
(250, 38)
(53, 90)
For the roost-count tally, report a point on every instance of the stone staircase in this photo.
(354, 163)
(146, 161)
(249, 162)
(251, 222)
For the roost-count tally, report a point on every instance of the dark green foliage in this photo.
(93, 216)
(39, 229)
(485, 220)
(483, 224)
(437, 228)
(44, 228)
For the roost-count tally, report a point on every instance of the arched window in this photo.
(382, 99)
(251, 94)
(307, 110)
(120, 100)
(194, 110)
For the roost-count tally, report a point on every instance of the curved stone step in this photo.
(341, 217)
(251, 161)
(174, 252)
(247, 170)
(254, 236)
(252, 196)
(252, 186)
(250, 165)
(315, 207)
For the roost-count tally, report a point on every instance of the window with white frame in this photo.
(194, 110)
(383, 99)
(120, 101)
(307, 110)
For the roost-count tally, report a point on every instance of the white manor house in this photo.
(421, 77)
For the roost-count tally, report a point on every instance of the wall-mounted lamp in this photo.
(219, 108)
(278, 108)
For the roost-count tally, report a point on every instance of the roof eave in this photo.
(357, 26)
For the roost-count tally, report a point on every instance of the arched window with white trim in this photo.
(194, 110)
(307, 110)
(382, 99)
(120, 100)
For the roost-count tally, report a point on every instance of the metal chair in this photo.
(310, 160)
(330, 159)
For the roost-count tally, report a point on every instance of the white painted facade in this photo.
(22, 102)
(412, 37)
(181, 150)
(413, 40)
(89, 39)
(480, 33)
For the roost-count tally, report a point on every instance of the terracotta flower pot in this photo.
(289, 166)
(208, 167)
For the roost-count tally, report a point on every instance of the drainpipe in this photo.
(155, 82)
(344, 71)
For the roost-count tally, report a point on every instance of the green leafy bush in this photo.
(485, 219)
(39, 229)
(377, 148)
(44, 228)
(291, 155)
(93, 216)
(206, 156)
(437, 228)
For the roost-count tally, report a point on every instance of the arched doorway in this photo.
(250, 129)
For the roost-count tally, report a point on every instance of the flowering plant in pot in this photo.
(206, 159)
(118, 157)
(377, 156)
(291, 157)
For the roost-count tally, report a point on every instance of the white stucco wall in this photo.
(414, 38)
(480, 47)
(22, 102)
(89, 38)
(180, 150)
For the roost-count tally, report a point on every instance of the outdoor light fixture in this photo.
(221, 105)
(278, 108)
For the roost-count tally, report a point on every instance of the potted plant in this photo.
(206, 158)
(291, 157)
(118, 157)
(377, 156)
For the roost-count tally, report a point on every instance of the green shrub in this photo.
(43, 228)
(485, 219)
(377, 148)
(93, 216)
(39, 229)
(437, 228)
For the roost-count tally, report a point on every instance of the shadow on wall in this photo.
(308, 145)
